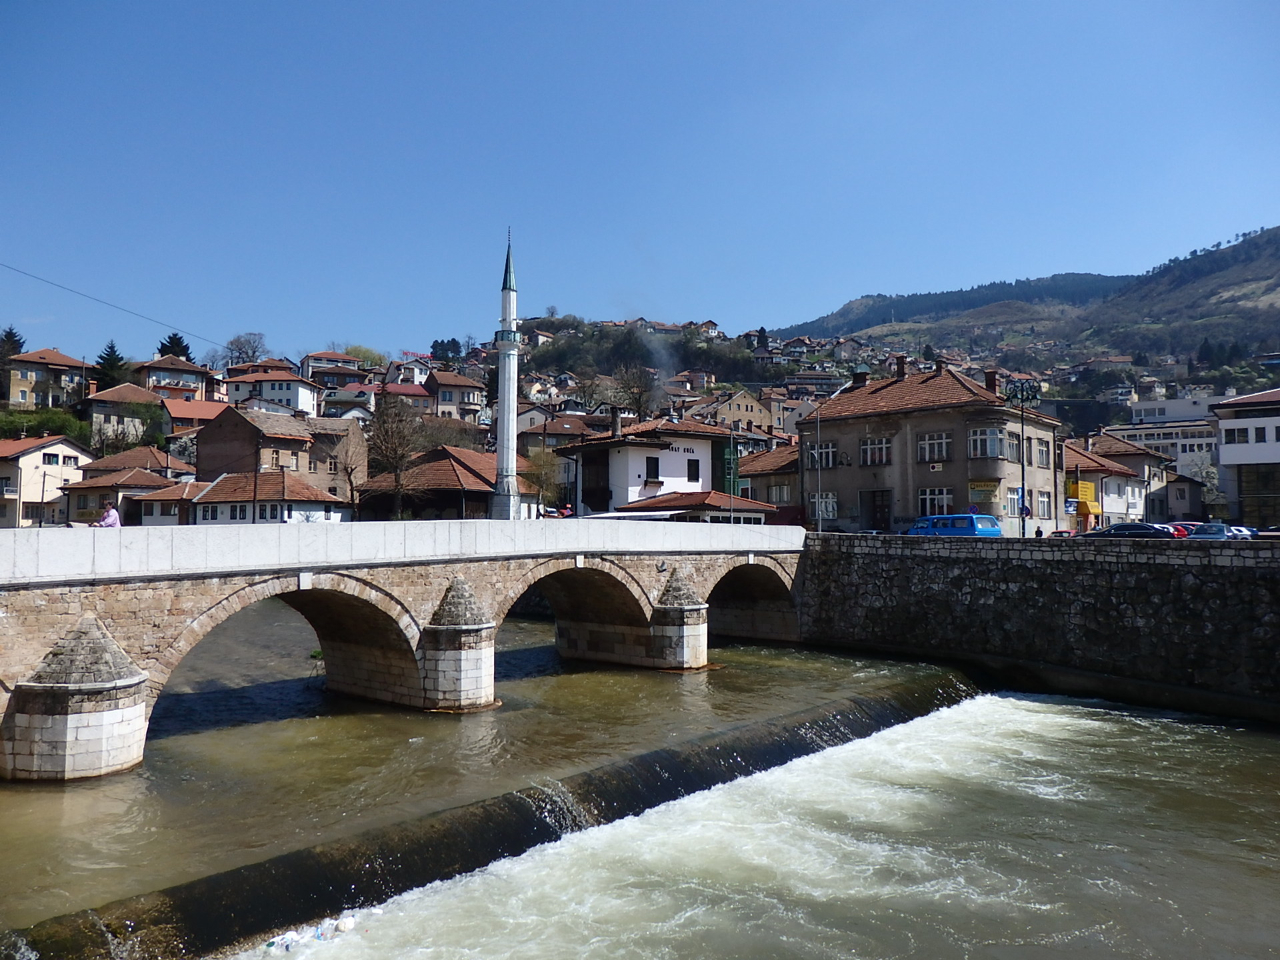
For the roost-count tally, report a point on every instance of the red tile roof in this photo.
(170, 362)
(147, 458)
(183, 490)
(1074, 455)
(278, 376)
(705, 500)
(194, 409)
(447, 379)
(133, 477)
(916, 391)
(52, 356)
(1108, 446)
(13, 448)
(125, 393)
(267, 485)
(782, 460)
(451, 468)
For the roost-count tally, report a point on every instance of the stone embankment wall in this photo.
(1178, 625)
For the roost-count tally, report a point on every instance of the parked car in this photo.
(1186, 526)
(1211, 531)
(956, 525)
(1243, 533)
(1131, 531)
(1062, 533)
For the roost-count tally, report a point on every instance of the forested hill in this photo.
(1227, 293)
(1077, 289)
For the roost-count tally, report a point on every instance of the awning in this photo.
(633, 515)
(1089, 507)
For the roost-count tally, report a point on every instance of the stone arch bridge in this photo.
(93, 622)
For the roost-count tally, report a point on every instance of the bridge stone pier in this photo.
(93, 622)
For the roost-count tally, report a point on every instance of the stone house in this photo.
(330, 453)
(881, 453)
(119, 414)
(456, 396)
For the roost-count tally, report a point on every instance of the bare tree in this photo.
(396, 436)
(638, 389)
(544, 473)
(246, 348)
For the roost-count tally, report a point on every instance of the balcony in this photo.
(9, 493)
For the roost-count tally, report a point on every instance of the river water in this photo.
(1003, 827)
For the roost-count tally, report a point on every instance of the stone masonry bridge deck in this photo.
(93, 622)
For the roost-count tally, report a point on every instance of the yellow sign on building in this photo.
(983, 491)
(1082, 490)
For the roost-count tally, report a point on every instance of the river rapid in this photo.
(1004, 827)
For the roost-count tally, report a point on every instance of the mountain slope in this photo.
(1076, 289)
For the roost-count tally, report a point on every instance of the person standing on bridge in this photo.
(109, 518)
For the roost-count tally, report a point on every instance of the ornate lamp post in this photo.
(1023, 394)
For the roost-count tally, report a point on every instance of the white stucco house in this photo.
(280, 387)
(267, 497)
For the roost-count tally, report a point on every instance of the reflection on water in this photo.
(248, 756)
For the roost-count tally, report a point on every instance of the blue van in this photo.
(956, 525)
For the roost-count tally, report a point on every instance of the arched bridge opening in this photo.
(751, 603)
(598, 616)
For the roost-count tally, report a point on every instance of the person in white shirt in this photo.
(109, 518)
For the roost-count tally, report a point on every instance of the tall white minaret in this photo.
(506, 493)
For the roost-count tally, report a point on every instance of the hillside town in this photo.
(843, 434)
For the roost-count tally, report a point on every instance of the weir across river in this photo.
(92, 622)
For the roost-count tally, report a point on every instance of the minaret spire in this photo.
(506, 492)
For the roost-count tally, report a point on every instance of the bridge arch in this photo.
(753, 601)
(369, 638)
(602, 612)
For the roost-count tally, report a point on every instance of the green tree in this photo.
(113, 368)
(929, 354)
(446, 350)
(366, 355)
(32, 423)
(175, 345)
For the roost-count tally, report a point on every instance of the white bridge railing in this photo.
(61, 555)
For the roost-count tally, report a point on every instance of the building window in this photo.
(293, 460)
(933, 447)
(71, 461)
(1240, 435)
(986, 443)
(650, 469)
(693, 473)
(779, 493)
(148, 509)
(168, 509)
(1014, 503)
(1179, 493)
(288, 511)
(103, 500)
(935, 500)
(311, 464)
(333, 464)
(1013, 447)
(875, 452)
(32, 511)
(50, 459)
(262, 511)
(823, 455)
(822, 506)
(22, 396)
(82, 501)
(275, 511)
(1042, 453)
(446, 396)
(1044, 506)
(328, 511)
(1259, 434)
(275, 459)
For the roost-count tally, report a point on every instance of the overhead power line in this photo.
(114, 306)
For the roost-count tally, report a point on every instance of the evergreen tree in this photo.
(113, 368)
(11, 344)
(174, 345)
(929, 353)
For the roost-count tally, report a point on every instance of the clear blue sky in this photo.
(347, 172)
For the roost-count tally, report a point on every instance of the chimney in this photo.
(902, 366)
(616, 426)
(992, 383)
(859, 378)
(940, 366)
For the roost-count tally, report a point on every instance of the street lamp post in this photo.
(1023, 393)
